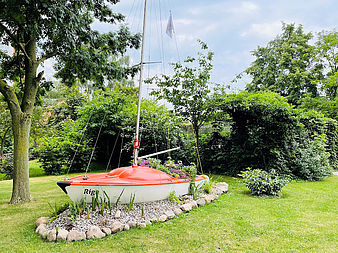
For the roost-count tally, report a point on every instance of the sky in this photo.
(231, 28)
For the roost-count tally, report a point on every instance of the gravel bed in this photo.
(95, 225)
(152, 211)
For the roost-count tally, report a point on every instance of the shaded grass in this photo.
(304, 219)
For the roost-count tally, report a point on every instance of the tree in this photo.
(188, 90)
(61, 29)
(327, 55)
(286, 66)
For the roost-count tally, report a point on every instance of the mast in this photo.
(136, 143)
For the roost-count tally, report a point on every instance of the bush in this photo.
(6, 165)
(332, 142)
(262, 183)
(56, 152)
(269, 134)
(118, 108)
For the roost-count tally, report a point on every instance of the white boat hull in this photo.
(144, 193)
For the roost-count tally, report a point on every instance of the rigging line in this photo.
(140, 14)
(155, 139)
(178, 54)
(158, 34)
(121, 149)
(150, 41)
(111, 155)
(162, 50)
(77, 148)
(131, 10)
(97, 138)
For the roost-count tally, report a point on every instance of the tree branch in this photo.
(38, 78)
(9, 95)
(15, 41)
(45, 57)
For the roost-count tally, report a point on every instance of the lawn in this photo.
(304, 219)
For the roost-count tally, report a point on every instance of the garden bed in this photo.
(90, 223)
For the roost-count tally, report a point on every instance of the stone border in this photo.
(57, 234)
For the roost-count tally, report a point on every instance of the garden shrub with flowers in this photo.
(172, 168)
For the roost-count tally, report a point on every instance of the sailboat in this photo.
(140, 183)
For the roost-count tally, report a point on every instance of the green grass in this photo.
(35, 170)
(304, 219)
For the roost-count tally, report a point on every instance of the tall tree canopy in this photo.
(327, 55)
(286, 65)
(41, 29)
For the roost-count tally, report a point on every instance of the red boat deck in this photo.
(128, 176)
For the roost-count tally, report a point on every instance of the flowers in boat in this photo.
(144, 163)
(172, 168)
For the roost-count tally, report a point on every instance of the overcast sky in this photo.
(231, 28)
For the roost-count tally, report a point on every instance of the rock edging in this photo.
(54, 233)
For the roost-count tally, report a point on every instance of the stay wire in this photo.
(111, 155)
(121, 149)
(97, 138)
(178, 53)
(162, 48)
(77, 148)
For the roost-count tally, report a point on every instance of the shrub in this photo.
(6, 165)
(262, 183)
(332, 142)
(56, 152)
(268, 133)
(311, 161)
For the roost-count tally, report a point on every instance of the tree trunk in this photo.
(21, 124)
(197, 147)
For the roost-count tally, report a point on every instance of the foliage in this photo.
(174, 198)
(329, 107)
(115, 110)
(36, 31)
(326, 49)
(207, 186)
(260, 124)
(286, 66)
(214, 147)
(5, 128)
(332, 142)
(188, 89)
(262, 183)
(35, 170)
(176, 170)
(158, 129)
(131, 202)
(6, 165)
(268, 134)
(56, 210)
(119, 197)
(56, 151)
